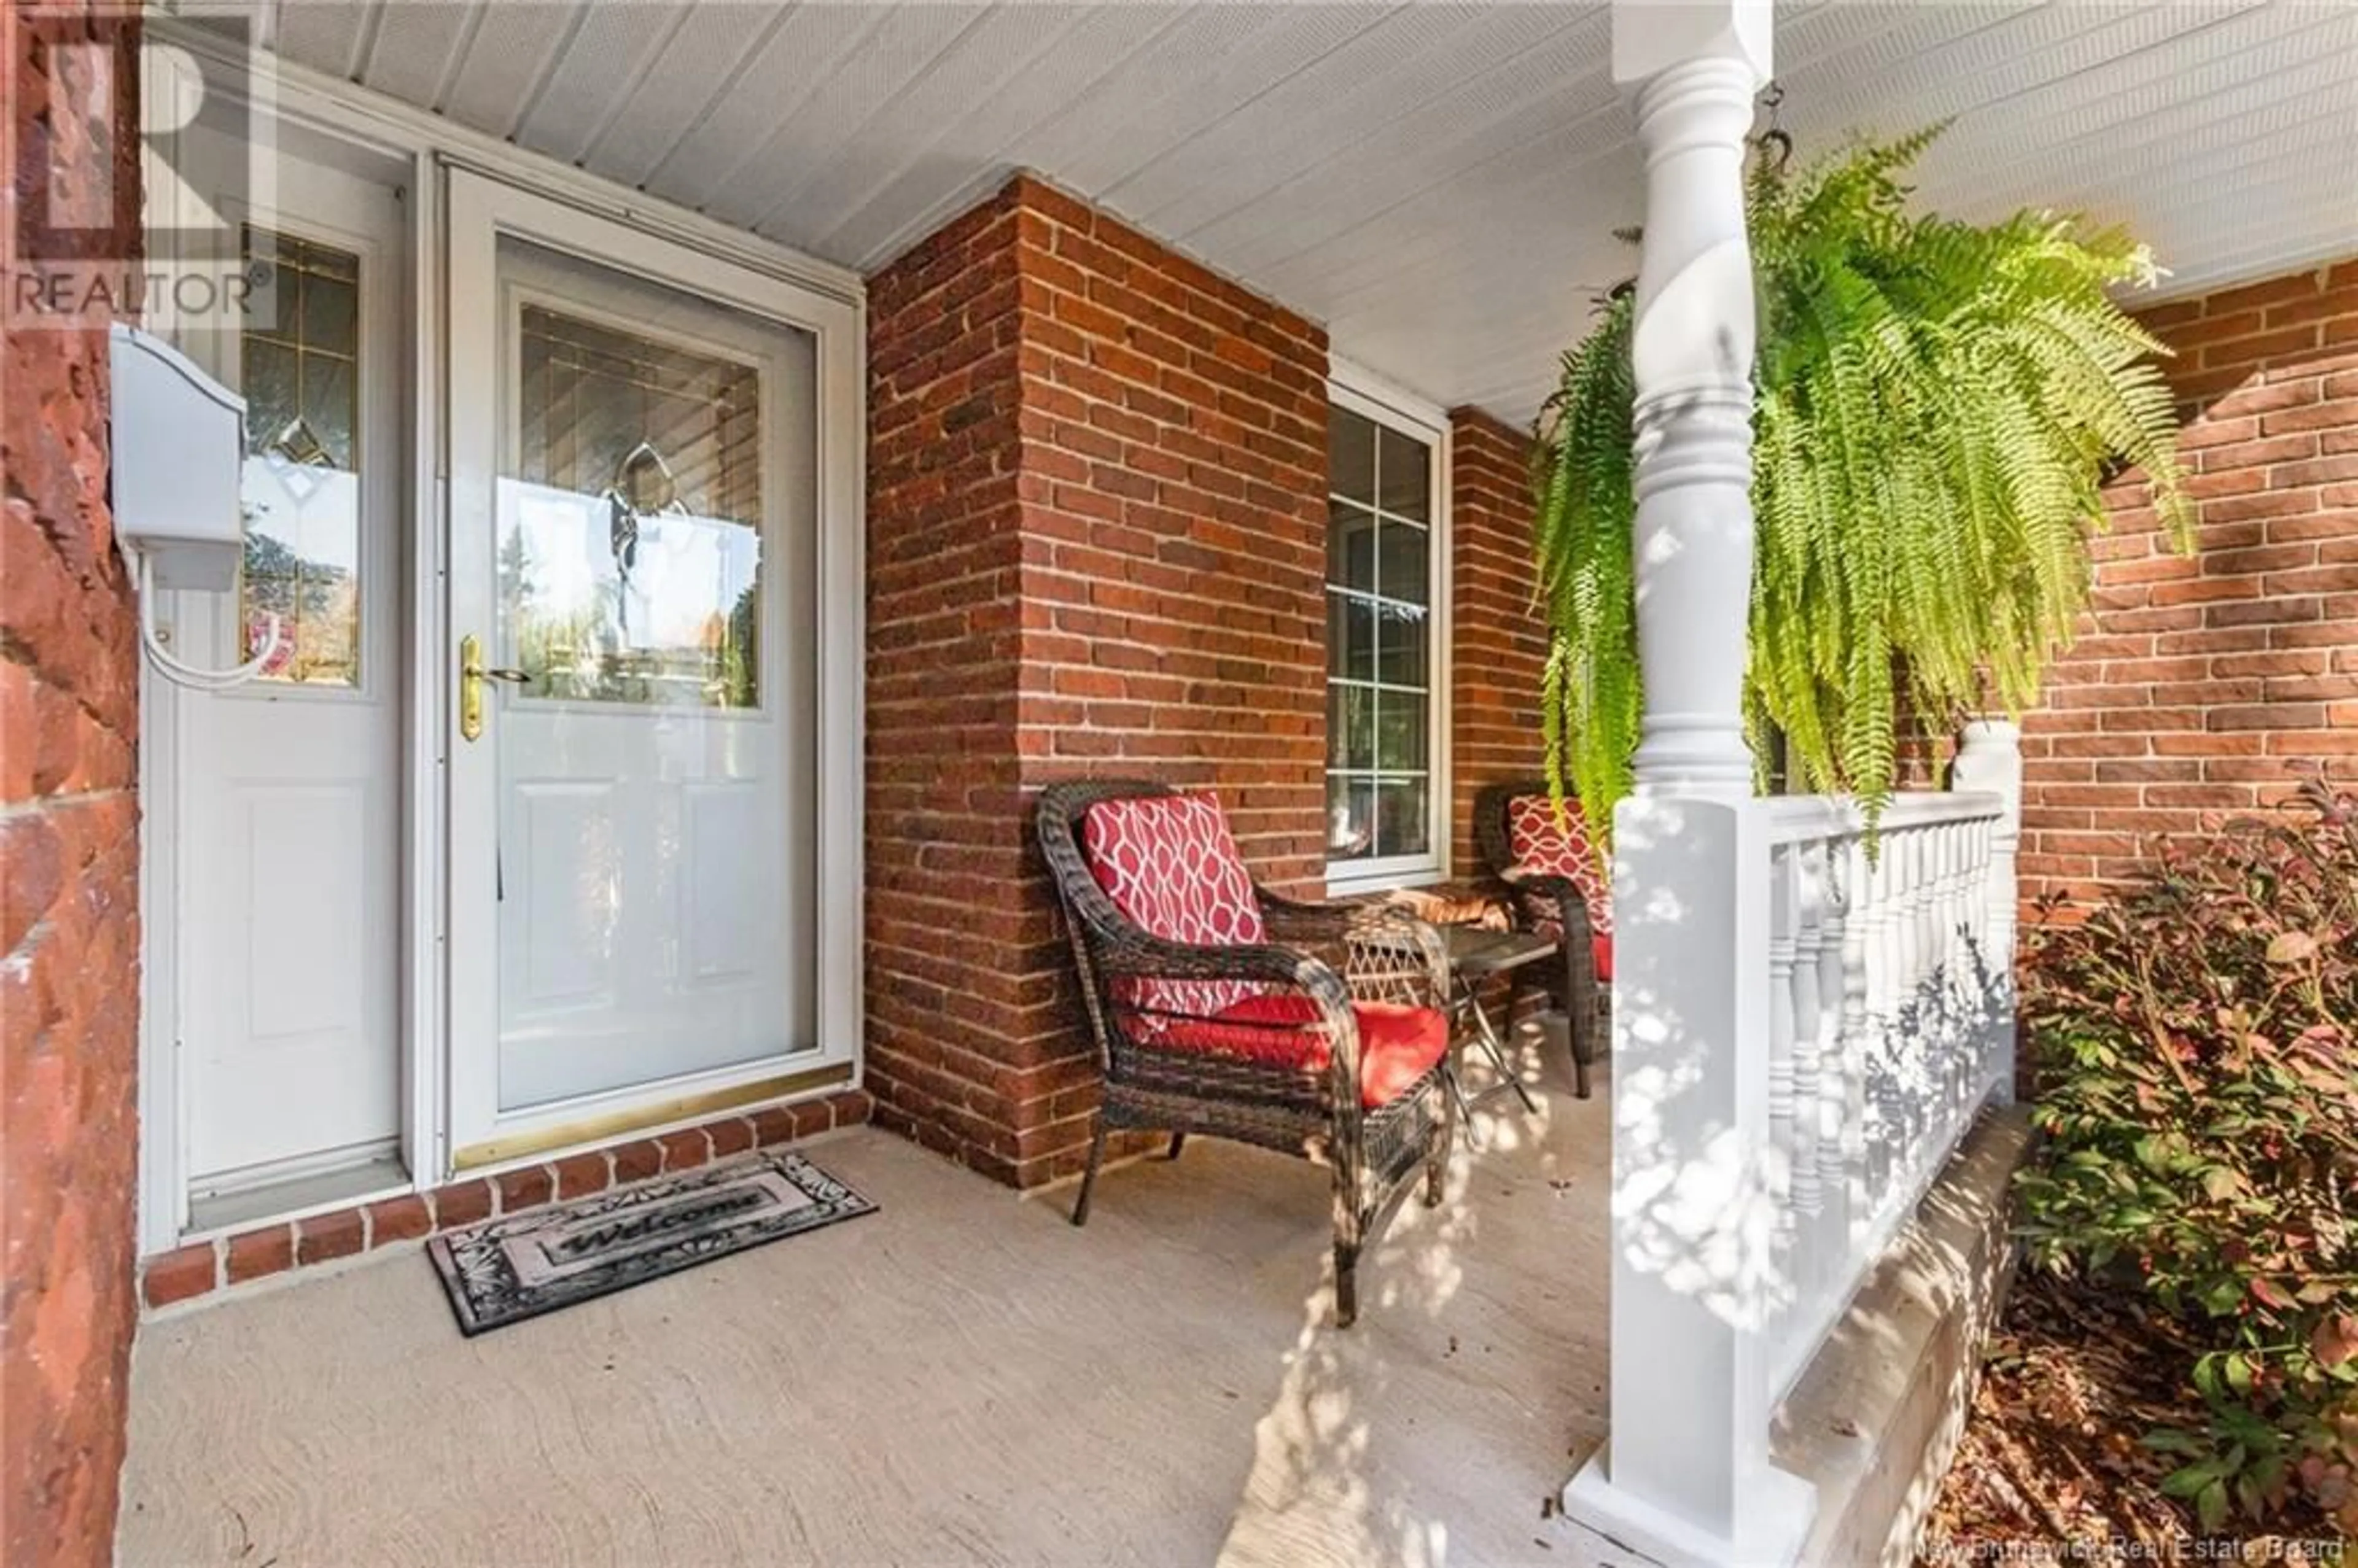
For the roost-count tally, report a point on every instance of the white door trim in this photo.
(480, 212)
(426, 1130)
(430, 145)
(163, 1185)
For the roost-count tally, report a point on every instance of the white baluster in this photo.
(1857, 1026)
(1783, 1118)
(1809, 1023)
(1945, 1058)
(1972, 993)
(1959, 990)
(1948, 992)
(1986, 961)
(1916, 1050)
(1879, 941)
(1973, 865)
(1925, 1043)
(1976, 902)
(1810, 1263)
(1834, 1077)
(1896, 990)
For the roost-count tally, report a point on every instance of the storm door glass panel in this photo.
(634, 573)
(298, 362)
(653, 563)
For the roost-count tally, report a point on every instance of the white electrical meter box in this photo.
(179, 453)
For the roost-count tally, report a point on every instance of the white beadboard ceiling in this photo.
(1437, 182)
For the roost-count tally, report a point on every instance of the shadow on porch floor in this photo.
(962, 1378)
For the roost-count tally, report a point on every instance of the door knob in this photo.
(471, 676)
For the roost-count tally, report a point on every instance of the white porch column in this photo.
(1989, 756)
(1693, 69)
(1685, 1475)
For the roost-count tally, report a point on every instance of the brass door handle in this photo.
(471, 676)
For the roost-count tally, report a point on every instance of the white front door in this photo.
(633, 763)
(289, 801)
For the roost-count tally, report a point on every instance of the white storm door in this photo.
(288, 920)
(634, 554)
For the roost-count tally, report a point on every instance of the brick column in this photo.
(1097, 524)
(69, 876)
(1498, 633)
(946, 940)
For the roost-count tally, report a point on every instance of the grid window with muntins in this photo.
(1380, 631)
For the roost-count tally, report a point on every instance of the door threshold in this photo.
(312, 1190)
(645, 1115)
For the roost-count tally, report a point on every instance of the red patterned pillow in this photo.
(1555, 843)
(1171, 867)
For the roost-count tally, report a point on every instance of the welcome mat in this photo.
(504, 1270)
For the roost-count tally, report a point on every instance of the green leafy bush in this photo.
(2199, 1095)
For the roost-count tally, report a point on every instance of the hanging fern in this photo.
(1936, 407)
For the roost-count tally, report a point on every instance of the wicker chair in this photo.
(1312, 1030)
(1559, 889)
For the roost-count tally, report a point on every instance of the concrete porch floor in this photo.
(960, 1379)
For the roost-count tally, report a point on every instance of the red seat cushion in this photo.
(1397, 1043)
(1546, 840)
(1171, 866)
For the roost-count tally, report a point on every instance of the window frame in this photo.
(1362, 392)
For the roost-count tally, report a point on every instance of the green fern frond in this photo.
(1936, 405)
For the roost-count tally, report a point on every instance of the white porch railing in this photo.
(1806, 1021)
(1891, 1022)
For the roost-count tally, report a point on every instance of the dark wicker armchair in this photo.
(1220, 1007)
(1560, 889)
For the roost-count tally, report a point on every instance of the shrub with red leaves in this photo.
(2199, 1094)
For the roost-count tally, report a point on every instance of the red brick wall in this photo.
(68, 885)
(1499, 636)
(1096, 523)
(2198, 682)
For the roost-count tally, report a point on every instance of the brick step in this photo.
(215, 1265)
